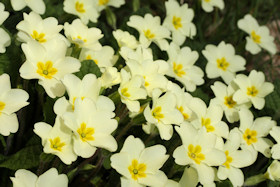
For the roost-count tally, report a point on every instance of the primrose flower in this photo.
(102, 4)
(82, 36)
(48, 64)
(252, 89)
(163, 114)
(33, 27)
(181, 66)
(198, 151)
(51, 177)
(110, 77)
(273, 171)
(253, 132)
(208, 5)
(125, 39)
(3, 14)
(131, 90)
(179, 21)
(222, 61)
(275, 151)
(138, 165)
(235, 159)
(84, 9)
(56, 140)
(11, 100)
(37, 6)
(150, 30)
(91, 126)
(259, 35)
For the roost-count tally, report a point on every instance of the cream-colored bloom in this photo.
(82, 36)
(235, 159)
(5, 40)
(138, 165)
(110, 77)
(189, 177)
(33, 27)
(252, 88)
(11, 100)
(163, 114)
(84, 9)
(273, 171)
(125, 39)
(222, 61)
(49, 64)
(56, 140)
(131, 90)
(150, 30)
(3, 14)
(181, 66)
(253, 132)
(37, 6)
(25, 178)
(208, 5)
(102, 4)
(198, 151)
(275, 151)
(259, 35)
(179, 21)
(92, 126)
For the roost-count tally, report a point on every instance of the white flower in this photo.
(222, 61)
(37, 6)
(235, 159)
(33, 27)
(181, 66)
(198, 151)
(3, 14)
(189, 177)
(253, 132)
(252, 89)
(24, 178)
(5, 40)
(273, 171)
(49, 64)
(92, 126)
(275, 151)
(125, 39)
(84, 9)
(138, 165)
(102, 4)
(11, 100)
(82, 36)
(131, 90)
(150, 30)
(208, 5)
(179, 21)
(140, 54)
(163, 114)
(259, 35)
(56, 140)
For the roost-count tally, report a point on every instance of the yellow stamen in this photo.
(195, 153)
(38, 37)
(228, 161)
(56, 144)
(124, 92)
(207, 123)
(252, 91)
(222, 64)
(250, 136)
(178, 69)
(85, 133)
(148, 34)
(2, 106)
(229, 102)
(185, 115)
(80, 7)
(46, 70)
(256, 38)
(176, 21)
(157, 113)
(102, 2)
(137, 170)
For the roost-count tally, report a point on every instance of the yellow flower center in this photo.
(46, 70)
(85, 133)
(229, 102)
(194, 152)
(146, 83)
(80, 7)
(38, 37)
(250, 136)
(252, 91)
(124, 92)
(185, 115)
(157, 113)
(102, 2)
(56, 144)
(137, 170)
(2, 106)
(256, 38)
(228, 161)
(148, 34)
(207, 123)
(222, 64)
(178, 69)
(176, 21)
(207, 1)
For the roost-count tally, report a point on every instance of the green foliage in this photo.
(88, 66)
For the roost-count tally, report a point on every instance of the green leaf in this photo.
(135, 5)
(88, 66)
(26, 158)
(111, 18)
(4, 63)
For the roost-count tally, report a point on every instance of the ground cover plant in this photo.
(139, 93)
